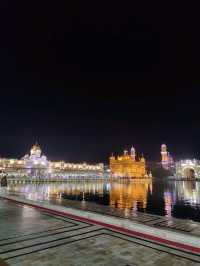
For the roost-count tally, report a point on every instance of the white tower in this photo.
(133, 153)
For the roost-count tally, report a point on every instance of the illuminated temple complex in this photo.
(127, 166)
(36, 164)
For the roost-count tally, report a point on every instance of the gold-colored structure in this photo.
(126, 166)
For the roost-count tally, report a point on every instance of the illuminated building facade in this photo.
(126, 166)
(188, 169)
(166, 159)
(37, 165)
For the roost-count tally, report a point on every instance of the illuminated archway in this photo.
(188, 168)
(189, 172)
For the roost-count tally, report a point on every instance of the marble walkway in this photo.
(29, 236)
(163, 222)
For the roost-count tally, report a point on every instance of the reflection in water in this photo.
(169, 198)
(130, 195)
(168, 203)
(189, 191)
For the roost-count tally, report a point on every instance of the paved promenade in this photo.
(36, 236)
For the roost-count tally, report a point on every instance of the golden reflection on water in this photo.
(124, 195)
(130, 196)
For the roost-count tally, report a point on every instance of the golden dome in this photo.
(35, 149)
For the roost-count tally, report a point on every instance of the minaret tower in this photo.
(133, 153)
(164, 154)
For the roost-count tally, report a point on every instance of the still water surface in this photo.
(179, 199)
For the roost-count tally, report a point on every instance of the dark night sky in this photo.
(89, 78)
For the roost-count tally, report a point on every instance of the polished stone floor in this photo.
(32, 237)
(185, 226)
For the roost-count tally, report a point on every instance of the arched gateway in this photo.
(189, 172)
(188, 169)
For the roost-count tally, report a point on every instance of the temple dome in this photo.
(36, 150)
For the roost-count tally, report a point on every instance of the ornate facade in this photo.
(188, 169)
(35, 164)
(126, 166)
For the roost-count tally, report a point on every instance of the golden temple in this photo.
(126, 166)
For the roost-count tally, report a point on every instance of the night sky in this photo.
(86, 79)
